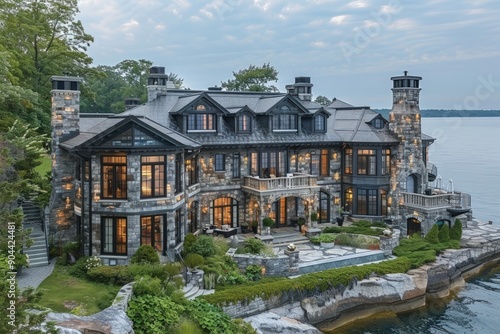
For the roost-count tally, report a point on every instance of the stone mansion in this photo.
(189, 159)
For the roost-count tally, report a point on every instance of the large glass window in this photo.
(244, 123)
(225, 212)
(178, 173)
(152, 176)
(386, 162)
(367, 201)
(254, 164)
(319, 123)
(272, 164)
(114, 235)
(348, 161)
(152, 231)
(285, 122)
(193, 216)
(367, 162)
(220, 162)
(201, 122)
(348, 200)
(192, 171)
(114, 177)
(320, 163)
(383, 202)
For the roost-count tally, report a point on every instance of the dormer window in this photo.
(201, 122)
(244, 124)
(286, 122)
(378, 123)
(319, 123)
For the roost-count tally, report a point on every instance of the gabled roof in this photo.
(105, 130)
(184, 102)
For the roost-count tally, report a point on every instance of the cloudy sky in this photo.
(349, 49)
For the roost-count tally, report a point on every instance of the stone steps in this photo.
(283, 240)
(192, 291)
(37, 252)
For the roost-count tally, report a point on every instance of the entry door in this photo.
(413, 226)
(279, 208)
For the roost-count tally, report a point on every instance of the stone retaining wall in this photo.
(394, 292)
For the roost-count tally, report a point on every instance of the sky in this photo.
(350, 49)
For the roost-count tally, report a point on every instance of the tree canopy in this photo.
(253, 79)
(107, 88)
(323, 100)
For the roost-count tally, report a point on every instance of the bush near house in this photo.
(444, 233)
(360, 227)
(432, 236)
(456, 230)
(145, 254)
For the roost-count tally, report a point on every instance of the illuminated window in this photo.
(367, 201)
(367, 162)
(114, 235)
(348, 161)
(204, 122)
(201, 107)
(152, 231)
(386, 162)
(253, 164)
(244, 123)
(152, 176)
(320, 163)
(225, 212)
(348, 200)
(114, 177)
(324, 207)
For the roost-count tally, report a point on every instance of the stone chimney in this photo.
(131, 102)
(301, 88)
(65, 124)
(158, 83)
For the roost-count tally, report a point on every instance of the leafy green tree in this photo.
(323, 100)
(254, 79)
(106, 89)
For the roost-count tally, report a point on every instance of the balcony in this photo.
(290, 183)
(454, 202)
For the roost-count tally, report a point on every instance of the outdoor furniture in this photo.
(225, 232)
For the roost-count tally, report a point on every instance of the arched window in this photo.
(225, 212)
(411, 184)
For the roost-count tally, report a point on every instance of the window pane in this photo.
(108, 235)
(121, 236)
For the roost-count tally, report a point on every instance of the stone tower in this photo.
(64, 123)
(409, 172)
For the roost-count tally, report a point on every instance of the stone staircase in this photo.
(284, 239)
(192, 291)
(37, 252)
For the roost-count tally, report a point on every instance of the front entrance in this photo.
(286, 208)
(413, 226)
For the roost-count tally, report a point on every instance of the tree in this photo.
(456, 230)
(107, 88)
(323, 100)
(253, 79)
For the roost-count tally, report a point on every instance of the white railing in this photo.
(451, 200)
(291, 182)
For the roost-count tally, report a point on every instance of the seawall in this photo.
(392, 293)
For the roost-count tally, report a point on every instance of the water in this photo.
(467, 152)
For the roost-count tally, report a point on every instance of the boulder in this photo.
(270, 322)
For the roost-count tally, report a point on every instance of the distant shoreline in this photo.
(449, 113)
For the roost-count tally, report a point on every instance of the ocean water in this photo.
(467, 152)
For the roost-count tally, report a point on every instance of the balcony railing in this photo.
(446, 200)
(292, 181)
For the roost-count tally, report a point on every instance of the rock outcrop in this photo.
(112, 320)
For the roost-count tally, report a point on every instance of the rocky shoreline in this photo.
(389, 293)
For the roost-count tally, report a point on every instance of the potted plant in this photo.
(244, 227)
(193, 261)
(301, 221)
(327, 240)
(254, 225)
(314, 218)
(340, 216)
(268, 222)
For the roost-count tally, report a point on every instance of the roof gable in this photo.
(287, 104)
(202, 103)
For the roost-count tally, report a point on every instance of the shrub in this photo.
(432, 236)
(194, 260)
(153, 314)
(252, 246)
(79, 269)
(327, 237)
(253, 272)
(268, 222)
(189, 240)
(444, 233)
(204, 245)
(117, 275)
(145, 254)
(314, 216)
(456, 230)
(92, 262)
(162, 272)
(210, 318)
(147, 285)
(343, 239)
(187, 325)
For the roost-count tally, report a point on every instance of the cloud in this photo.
(338, 20)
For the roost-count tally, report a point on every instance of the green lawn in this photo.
(45, 166)
(65, 293)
